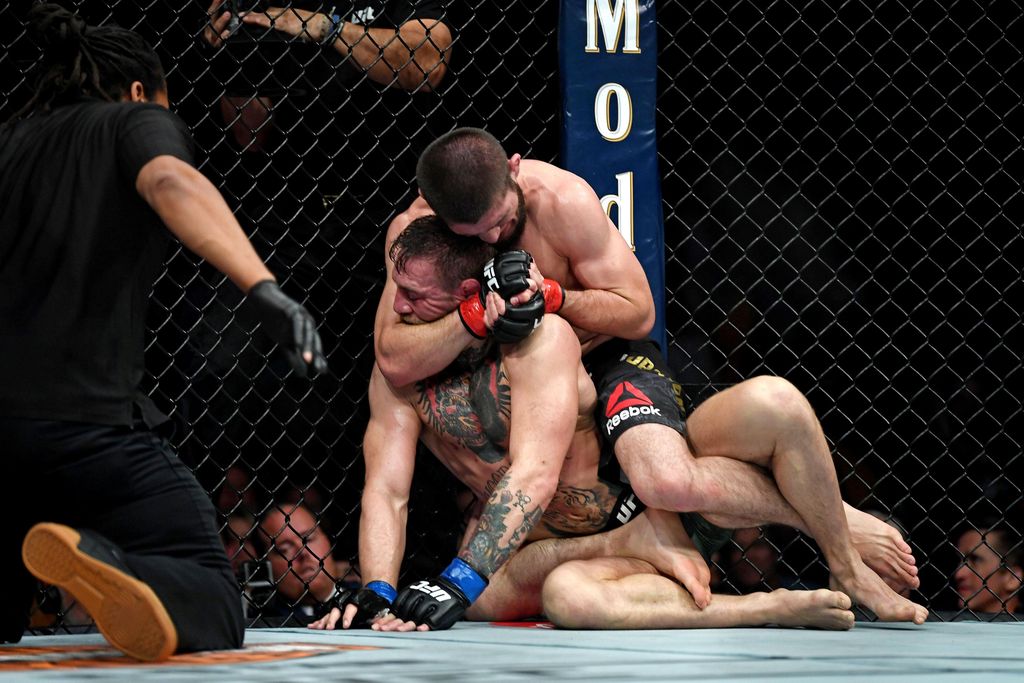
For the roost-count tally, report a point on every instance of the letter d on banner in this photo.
(608, 59)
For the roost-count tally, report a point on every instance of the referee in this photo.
(96, 175)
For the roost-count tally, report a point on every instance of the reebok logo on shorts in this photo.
(627, 402)
(624, 396)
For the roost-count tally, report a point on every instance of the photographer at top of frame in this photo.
(327, 105)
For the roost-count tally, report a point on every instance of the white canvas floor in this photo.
(936, 651)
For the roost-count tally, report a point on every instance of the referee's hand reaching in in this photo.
(290, 325)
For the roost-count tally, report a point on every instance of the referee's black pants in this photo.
(128, 485)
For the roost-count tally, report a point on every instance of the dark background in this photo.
(842, 201)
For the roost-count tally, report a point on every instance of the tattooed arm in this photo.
(542, 374)
(579, 511)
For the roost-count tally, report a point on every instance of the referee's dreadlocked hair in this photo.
(81, 60)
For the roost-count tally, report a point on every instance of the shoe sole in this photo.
(126, 611)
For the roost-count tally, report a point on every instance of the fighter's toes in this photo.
(866, 588)
(820, 608)
(839, 600)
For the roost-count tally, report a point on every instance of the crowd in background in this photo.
(316, 156)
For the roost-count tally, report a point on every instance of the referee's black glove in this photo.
(288, 324)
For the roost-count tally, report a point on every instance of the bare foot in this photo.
(883, 549)
(816, 609)
(866, 588)
(658, 537)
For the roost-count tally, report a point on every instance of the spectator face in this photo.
(421, 297)
(236, 494)
(983, 585)
(757, 563)
(238, 542)
(300, 555)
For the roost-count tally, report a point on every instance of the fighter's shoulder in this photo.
(557, 192)
(550, 178)
(560, 332)
(381, 389)
(418, 208)
(553, 340)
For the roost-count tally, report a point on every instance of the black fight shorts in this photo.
(634, 387)
(707, 537)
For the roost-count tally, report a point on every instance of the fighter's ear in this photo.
(513, 164)
(468, 288)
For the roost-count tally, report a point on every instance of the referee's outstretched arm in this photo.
(196, 213)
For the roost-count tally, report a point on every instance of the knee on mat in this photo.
(570, 598)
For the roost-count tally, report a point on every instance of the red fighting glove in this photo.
(554, 295)
(471, 313)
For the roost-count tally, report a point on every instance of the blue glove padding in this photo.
(372, 602)
(383, 589)
(465, 578)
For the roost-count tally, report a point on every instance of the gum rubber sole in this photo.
(127, 611)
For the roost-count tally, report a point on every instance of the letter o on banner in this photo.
(602, 112)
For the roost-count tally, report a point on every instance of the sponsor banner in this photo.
(608, 60)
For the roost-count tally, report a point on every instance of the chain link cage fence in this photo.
(842, 206)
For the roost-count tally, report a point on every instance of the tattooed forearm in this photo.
(522, 500)
(574, 510)
(495, 479)
(504, 524)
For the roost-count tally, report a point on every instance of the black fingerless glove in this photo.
(371, 601)
(507, 272)
(518, 322)
(289, 325)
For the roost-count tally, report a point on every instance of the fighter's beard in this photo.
(511, 241)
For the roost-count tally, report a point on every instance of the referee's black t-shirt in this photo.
(79, 252)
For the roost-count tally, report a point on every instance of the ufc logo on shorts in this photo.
(627, 509)
(492, 279)
(436, 592)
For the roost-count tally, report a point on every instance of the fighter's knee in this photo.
(779, 398)
(567, 597)
(673, 489)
